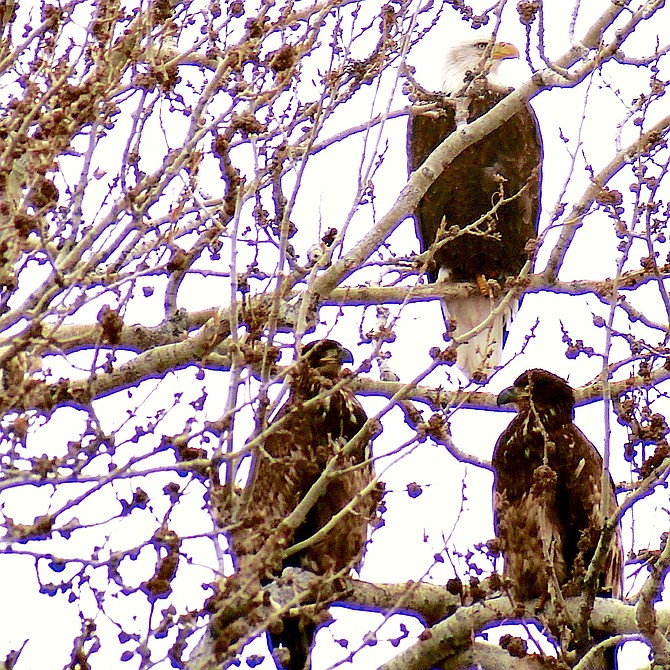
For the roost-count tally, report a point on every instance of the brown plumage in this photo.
(289, 462)
(547, 493)
(509, 158)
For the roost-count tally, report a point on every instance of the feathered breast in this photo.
(507, 161)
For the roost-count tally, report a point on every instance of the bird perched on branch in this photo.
(310, 434)
(547, 496)
(492, 188)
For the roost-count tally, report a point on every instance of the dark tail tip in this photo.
(291, 647)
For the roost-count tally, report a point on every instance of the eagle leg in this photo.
(483, 284)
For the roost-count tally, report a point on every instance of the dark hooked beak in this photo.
(508, 395)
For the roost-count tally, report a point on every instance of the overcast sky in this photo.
(454, 509)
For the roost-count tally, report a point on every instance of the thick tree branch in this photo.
(64, 339)
(647, 617)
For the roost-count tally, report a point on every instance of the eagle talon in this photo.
(483, 285)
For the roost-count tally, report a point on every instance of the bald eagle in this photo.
(504, 165)
(547, 494)
(286, 466)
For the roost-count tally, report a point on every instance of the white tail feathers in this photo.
(480, 354)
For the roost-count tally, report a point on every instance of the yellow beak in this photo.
(503, 50)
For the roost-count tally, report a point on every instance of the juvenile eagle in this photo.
(547, 493)
(289, 462)
(506, 164)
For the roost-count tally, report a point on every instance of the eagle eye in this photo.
(482, 45)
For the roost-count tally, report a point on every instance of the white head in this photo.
(474, 55)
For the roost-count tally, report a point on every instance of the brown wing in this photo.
(341, 548)
(550, 513)
(283, 469)
(286, 467)
(582, 491)
(531, 538)
(469, 186)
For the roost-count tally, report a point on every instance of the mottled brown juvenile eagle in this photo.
(286, 466)
(547, 493)
(493, 187)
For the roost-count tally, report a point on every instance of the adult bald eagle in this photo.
(547, 494)
(503, 167)
(286, 466)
